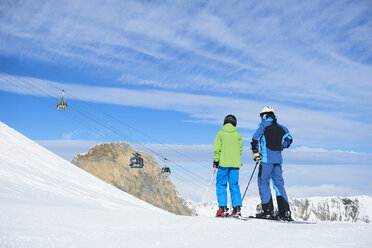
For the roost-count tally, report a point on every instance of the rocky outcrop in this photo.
(110, 162)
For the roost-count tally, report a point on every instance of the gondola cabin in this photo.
(136, 161)
(62, 103)
(165, 171)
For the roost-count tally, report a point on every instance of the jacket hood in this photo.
(228, 127)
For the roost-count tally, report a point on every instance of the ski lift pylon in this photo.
(165, 171)
(62, 103)
(136, 161)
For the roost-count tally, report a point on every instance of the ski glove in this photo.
(257, 157)
(216, 164)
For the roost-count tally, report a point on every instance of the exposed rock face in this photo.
(110, 162)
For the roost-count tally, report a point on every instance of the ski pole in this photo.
(209, 184)
(250, 179)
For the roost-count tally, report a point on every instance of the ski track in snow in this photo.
(46, 201)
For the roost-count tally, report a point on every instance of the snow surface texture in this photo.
(46, 201)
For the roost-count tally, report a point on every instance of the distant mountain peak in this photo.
(349, 209)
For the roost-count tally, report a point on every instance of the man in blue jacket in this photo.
(267, 143)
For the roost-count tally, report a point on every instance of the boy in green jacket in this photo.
(228, 148)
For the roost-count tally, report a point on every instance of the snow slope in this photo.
(47, 202)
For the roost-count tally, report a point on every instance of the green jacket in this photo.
(228, 147)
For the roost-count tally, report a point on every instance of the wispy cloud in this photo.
(313, 54)
(309, 127)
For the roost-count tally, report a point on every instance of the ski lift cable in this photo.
(144, 147)
(188, 180)
(135, 129)
(21, 85)
(120, 134)
(32, 92)
(176, 175)
(127, 137)
(96, 131)
(92, 119)
(191, 184)
(158, 142)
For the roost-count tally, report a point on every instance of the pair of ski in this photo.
(272, 220)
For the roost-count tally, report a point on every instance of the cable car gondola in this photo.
(62, 104)
(136, 161)
(165, 171)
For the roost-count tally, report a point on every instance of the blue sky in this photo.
(174, 69)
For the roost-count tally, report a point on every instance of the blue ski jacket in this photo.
(270, 138)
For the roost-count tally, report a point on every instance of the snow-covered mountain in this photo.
(46, 201)
(350, 209)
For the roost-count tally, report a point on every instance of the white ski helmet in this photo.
(266, 110)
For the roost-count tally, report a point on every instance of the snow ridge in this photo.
(30, 174)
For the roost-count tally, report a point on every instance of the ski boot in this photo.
(264, 213)
(285, 216)
(222, 212)
(236, 212)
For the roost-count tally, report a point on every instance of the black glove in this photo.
(216, 164)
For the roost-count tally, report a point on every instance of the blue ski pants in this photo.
(266, 172)
(231, 175)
